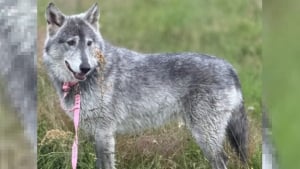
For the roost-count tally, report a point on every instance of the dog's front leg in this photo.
(105, 149)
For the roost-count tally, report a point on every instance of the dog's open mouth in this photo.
(78, 76)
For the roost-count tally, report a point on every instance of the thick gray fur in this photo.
(18, 55)
(144, 90)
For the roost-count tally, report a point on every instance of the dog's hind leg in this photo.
(210, 141)
(208, 127)
(105, 149)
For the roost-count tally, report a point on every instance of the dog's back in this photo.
(151, 87)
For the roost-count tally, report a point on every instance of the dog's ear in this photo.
(92, 15)
(55, 18)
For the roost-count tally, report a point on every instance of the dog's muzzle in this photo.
(84, 70)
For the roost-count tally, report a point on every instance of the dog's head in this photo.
(69, 52)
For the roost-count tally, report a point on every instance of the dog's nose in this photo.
(84, 68)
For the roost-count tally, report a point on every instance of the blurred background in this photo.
(228, 29)
(17, 84)
(281, 77)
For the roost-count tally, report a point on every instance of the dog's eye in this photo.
(71, 42)
(89, 43)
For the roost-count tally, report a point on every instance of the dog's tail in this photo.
(237, 131)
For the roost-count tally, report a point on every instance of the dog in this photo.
(130, 91)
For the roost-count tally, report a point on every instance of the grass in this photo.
(228, 29)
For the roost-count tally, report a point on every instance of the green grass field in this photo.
(227, 29)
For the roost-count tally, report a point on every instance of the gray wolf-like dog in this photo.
(139, 91)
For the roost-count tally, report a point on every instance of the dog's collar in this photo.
(66, 87)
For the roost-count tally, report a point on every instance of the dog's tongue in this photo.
(80, 76)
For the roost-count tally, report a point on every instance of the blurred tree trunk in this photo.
(15, 150)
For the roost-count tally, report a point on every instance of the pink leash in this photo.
(76, 112)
